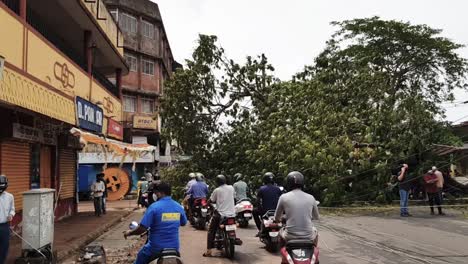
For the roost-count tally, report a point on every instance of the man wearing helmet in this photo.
(197, 190)
(7, 212)
(267, 198)
(187, 202)
(240, 187)
(223, 197)
(300, 208)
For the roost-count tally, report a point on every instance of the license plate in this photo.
(230, 227)
(273, 234)
(247, 215)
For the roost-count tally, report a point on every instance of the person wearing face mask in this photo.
(162, 220)
(7, 212)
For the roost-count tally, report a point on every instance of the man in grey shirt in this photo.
(240, 188)
(300, 208)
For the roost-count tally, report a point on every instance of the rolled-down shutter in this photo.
(15, 164)
(67, 165)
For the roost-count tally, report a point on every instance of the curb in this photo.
(82, 242)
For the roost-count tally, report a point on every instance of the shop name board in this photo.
(114, 129)
(100, 158)
(145, 122)
(33, 134)
(90, 116)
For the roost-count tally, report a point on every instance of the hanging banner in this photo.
(89, 115)
(114, 129)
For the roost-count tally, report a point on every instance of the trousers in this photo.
(212, 228)
(4, 241)
(98, 206)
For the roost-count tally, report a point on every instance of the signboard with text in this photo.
(114, 129)
(33, 134)
(145, 122)
(89, 115)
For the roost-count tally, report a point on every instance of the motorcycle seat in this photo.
(169, 252)
(299, 243)
(243, 200)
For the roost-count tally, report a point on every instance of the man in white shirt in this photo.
(98, 189)
(223, 196)
(7, 212)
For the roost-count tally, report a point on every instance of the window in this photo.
(115, 14)
(147, 67)
(131, 61)
(128, 23)
(147, 29)
(129, 103)
(147, 105)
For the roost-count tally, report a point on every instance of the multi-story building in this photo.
(148, 54)
(55, 58)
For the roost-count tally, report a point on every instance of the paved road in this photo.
(383, 239)
(358, 239)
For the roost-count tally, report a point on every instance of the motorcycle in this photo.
(269, 234)
(244, 212)
(225, 237)
(167, 255)
(200, 214)
(300, 252)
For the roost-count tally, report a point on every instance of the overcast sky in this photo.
(291, 33)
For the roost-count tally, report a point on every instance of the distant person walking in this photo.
(104, 195)
(404, 186)
(7, 212)
(440, 185)
(98, 189)
(430, 180)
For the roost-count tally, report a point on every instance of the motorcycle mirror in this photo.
(133, 225)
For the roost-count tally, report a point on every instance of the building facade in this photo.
(148, 54)
(56, 57)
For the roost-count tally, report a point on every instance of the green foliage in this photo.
(370, 99)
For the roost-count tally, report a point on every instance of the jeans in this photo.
(257, 215)
(98, 206)
(4, 241)
(103, 205)
(404, 201)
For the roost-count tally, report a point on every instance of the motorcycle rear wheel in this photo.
(229, 245)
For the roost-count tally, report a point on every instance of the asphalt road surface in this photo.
(357, 239)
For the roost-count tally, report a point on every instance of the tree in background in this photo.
(370, 99)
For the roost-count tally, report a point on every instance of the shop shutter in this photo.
(67, 173)
(15, 164)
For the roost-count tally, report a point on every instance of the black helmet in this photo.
(220, 180)
(238, 176)
(295, 180)
(3, 183)
(268, 178)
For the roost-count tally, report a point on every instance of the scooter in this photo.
(300, 252)
(167, 255)
(244, 212)
(270, 232)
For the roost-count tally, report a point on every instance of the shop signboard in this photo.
(89, 115)
(145, 122)
(114, 129)
(33, 134)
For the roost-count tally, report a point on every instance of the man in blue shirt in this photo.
(199, 189)
(267, 198)
(162, 220)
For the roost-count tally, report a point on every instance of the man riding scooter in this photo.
(267, 199)
(162, 220)
(300, 208)
(240, 187)
(198, 190)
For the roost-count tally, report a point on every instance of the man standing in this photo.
(162, 220)
(223, 197)
(240, 188)
(98, 188)
(142, 187)
(404, 186)
(430, 180)
(440, 186)
(267, 199)
(7, 212)
(104, 195)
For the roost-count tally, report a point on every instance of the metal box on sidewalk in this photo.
(38, 218)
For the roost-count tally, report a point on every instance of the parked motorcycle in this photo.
(269, 234)
(200, 214)
(167, 255)
(244, 212)
(226, 236)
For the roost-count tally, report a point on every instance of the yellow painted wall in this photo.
(11, 43)
(110, 104)
(44, 63)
